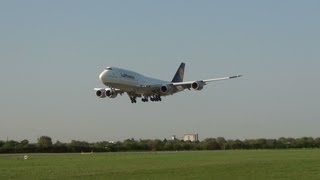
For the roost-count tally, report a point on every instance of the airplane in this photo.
(120, 81)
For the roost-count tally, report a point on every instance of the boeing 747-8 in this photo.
(121, 81)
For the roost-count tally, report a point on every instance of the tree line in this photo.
(45, 145)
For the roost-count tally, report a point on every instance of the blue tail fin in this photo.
(178, 77)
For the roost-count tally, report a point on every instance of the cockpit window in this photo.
(108, 68)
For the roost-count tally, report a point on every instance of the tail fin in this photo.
(178, 77)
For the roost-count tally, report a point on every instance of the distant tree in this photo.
(156, 145)
(44, 142)
(281, 143)
(271, 144)
(234, 144)
(187, 145)
(177, 145)
(255, 143)
(261, 143)
(59, 147)
(144, 145)
(168, 146)
(309, 142)
(291, 143)
(222, 142)
(58, 143)
(211, 144)
(317, 142)
(1, 143)
(130, 145)
(304, 142)
(79, 146)
(9, 147)
(79, 143)
(102, 146)
(24, 143)
(118, 146)
(30, 148)
(237, 144)
(10, 144)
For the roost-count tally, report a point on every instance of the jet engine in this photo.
(197, 85)
(102, 93)
(165, 89)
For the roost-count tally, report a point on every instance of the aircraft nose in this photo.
(102, 76)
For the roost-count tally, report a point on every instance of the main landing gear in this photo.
(152, 98)
(133, 99)
(145, 99)
(155, 98)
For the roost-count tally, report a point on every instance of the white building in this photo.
(191, 137)
(173, 137)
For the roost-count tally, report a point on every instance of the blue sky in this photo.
(51, 53)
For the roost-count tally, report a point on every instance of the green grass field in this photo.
(241, 164)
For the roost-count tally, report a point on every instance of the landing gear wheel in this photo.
(133, 99)
(145, 99)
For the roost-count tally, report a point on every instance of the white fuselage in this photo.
(128, 81)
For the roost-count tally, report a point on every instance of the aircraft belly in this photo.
(146, 91)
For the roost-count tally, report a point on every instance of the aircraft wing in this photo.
(224, 78)
(188, 84)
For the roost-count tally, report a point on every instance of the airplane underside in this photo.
(146, 93)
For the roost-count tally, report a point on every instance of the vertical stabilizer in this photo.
(178, 77)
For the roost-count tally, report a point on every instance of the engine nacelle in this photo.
(197, 85)
(164, 89)
(102, 93)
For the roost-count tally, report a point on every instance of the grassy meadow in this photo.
(233, 164)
